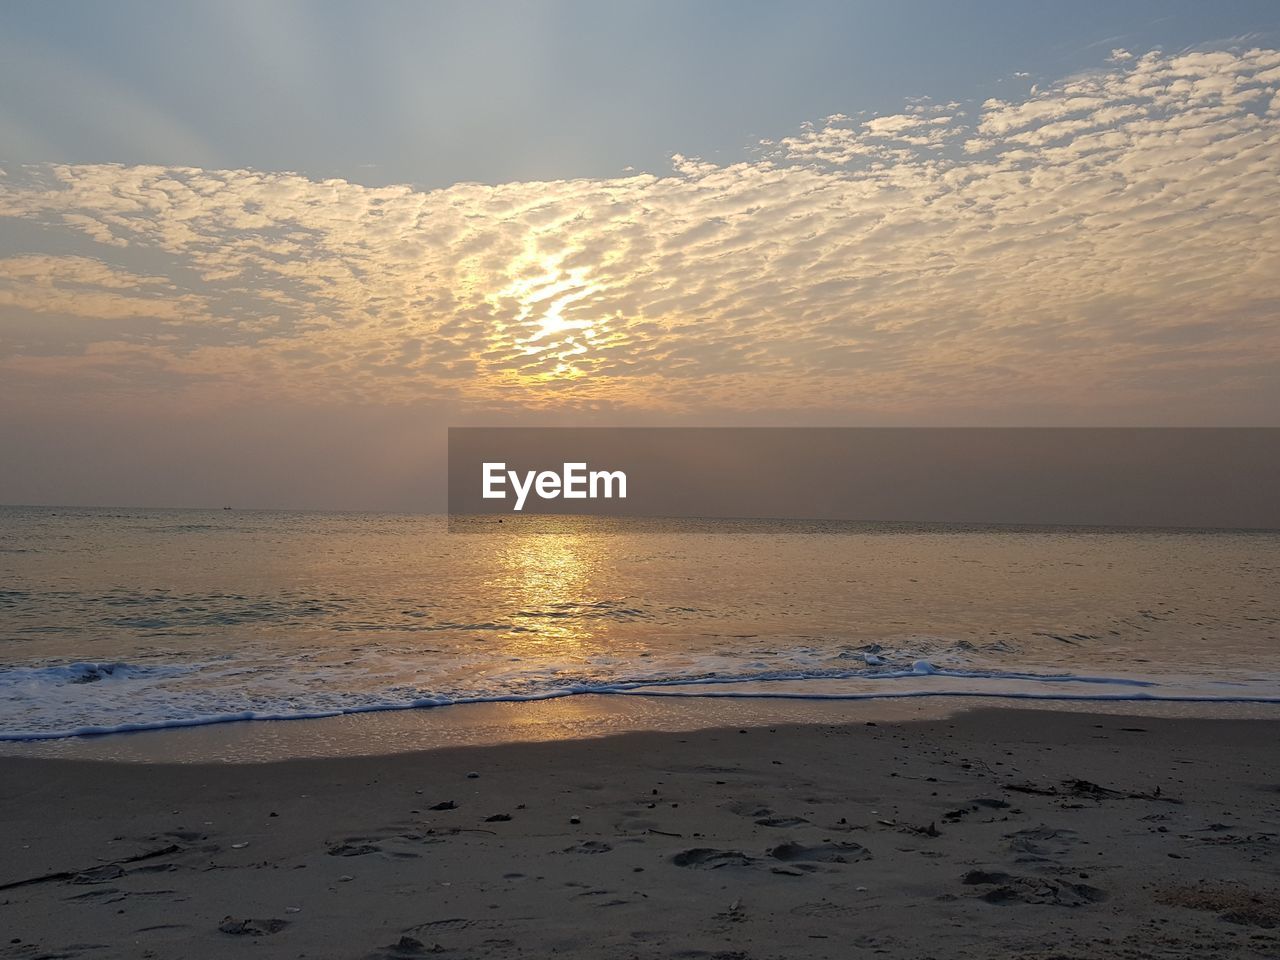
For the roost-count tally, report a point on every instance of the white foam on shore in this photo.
(59, 701)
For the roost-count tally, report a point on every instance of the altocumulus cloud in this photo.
(1110, 239)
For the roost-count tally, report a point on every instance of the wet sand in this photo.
(995, 833)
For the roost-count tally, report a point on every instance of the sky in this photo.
(264, 254)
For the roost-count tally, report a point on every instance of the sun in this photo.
(545, 333)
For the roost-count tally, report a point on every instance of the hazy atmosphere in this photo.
(673, 480)
(265, 259)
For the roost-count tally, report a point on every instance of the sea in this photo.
(115, 620)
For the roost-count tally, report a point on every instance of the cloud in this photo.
(1107, 242)
(83, 287)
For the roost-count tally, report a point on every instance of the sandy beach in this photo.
(994, 833)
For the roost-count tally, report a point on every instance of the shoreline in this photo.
(563, 719)
(972, 835)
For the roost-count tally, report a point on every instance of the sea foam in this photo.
(78, 699)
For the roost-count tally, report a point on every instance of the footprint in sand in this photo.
(991, 803)
(748, 808)
(708, 858)
(588, 846)
(798, 857)
(1041, 843)
(821, 853)
(353, 849)
(781, 821)
(252, 927)
(1007, 889)
(406, 946)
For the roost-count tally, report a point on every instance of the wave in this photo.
(85, 672)
(116, 685)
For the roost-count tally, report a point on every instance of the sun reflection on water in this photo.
(548, 580)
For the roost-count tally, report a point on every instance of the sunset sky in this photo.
(264, 256)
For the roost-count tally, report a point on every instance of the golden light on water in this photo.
(547, 580)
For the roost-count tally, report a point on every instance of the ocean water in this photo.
(114, 620)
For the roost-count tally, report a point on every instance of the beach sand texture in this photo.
(995, 833)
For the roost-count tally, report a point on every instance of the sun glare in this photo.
(545, 340)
